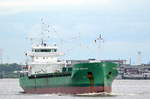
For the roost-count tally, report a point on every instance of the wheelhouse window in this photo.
(44, 50)
(54, 50)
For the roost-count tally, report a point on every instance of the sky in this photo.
(74, 25)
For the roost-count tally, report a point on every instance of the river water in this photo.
(122, 89)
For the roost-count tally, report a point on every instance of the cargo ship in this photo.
(45, 73)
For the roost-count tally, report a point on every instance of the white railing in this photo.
(44, 54)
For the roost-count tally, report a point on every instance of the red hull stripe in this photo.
(68, 90)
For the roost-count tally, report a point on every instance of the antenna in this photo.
(44, 30)
(99, 40)
(42, 33)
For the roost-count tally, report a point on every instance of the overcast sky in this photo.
(124, 25)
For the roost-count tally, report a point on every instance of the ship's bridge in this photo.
(44, 48)
(44, 53)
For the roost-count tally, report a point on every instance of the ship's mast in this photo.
(44, 57)
(44, 30)
(99, 41)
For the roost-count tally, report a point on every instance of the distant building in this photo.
(127, 71)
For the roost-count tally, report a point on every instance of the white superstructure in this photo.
(44, 59)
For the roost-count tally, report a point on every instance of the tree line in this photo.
(9, 70)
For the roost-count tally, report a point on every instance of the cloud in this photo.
(120, 48)
(16, 6)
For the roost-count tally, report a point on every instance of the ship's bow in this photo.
(94, 77)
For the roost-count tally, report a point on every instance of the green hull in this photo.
(88, 77)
